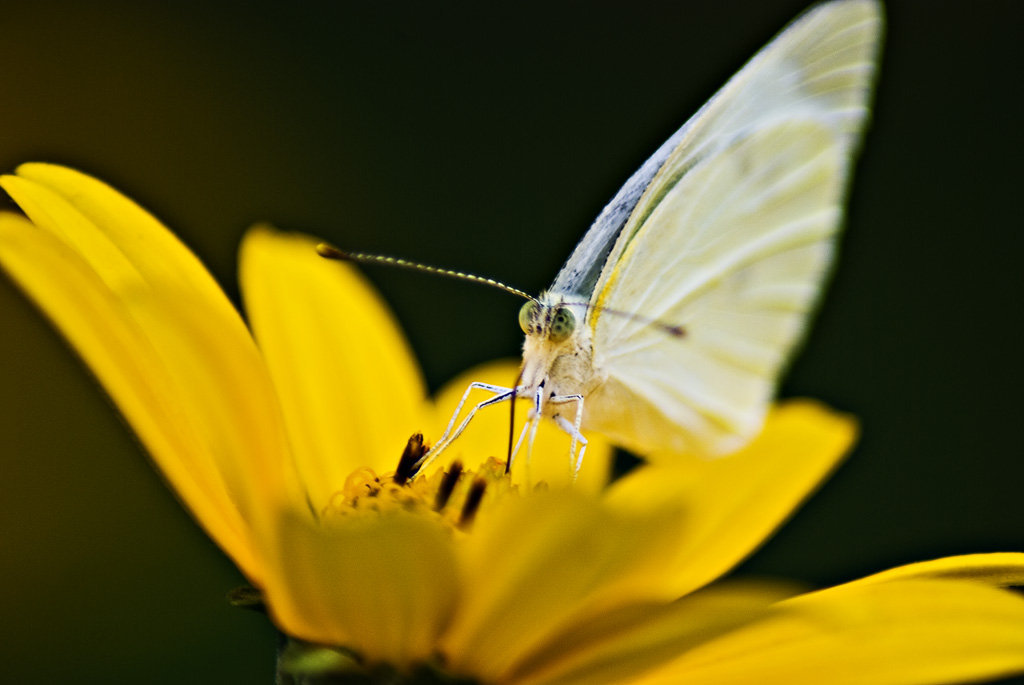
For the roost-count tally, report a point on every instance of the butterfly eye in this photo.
(562, 325)
(527, 315)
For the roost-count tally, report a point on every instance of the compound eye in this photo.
(562, 325)
(527, 316)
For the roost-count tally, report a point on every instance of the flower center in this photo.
(453, 495)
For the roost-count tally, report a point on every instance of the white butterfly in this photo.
(728, 232)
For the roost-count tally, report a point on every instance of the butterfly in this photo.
(670, 323)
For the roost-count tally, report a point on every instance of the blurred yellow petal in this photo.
(1003, 569)
(535, 563)
(619, 645)
(384, 586)
(734, 503)
(120, 354)
(350, 389)
(488, 434)
(906, 632)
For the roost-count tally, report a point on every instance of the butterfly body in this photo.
(558, 356)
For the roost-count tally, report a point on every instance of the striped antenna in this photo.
(675, 330)
(331, 252)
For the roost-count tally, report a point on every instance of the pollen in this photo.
(452, 495)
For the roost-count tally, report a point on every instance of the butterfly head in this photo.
(556, 352)
(551, 321)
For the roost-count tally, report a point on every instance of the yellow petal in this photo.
(1004, 569)
(734, 503)
(488, 434)
(199, 360)
(119, 239)
(619, 645)
(881, 633)
(121, 355)
(349, 386)
(539, 562)
(384, 586)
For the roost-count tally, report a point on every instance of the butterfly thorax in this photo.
(557, 352)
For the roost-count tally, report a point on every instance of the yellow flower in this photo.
(284, 444)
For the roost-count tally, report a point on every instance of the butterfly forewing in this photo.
(732, 239)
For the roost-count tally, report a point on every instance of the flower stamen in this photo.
(472, 503)
(447, 486)
(414, 451)
(452, 496)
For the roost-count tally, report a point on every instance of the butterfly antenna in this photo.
(674, 330)
(331, 252)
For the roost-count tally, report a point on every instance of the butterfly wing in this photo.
(732, 238)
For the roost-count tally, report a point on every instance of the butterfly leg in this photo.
(573, 429)
(533, 421)
(519, 443)
(501, 394)
(493, 389)
(575, 462)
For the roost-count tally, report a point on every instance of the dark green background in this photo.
(485, 137)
